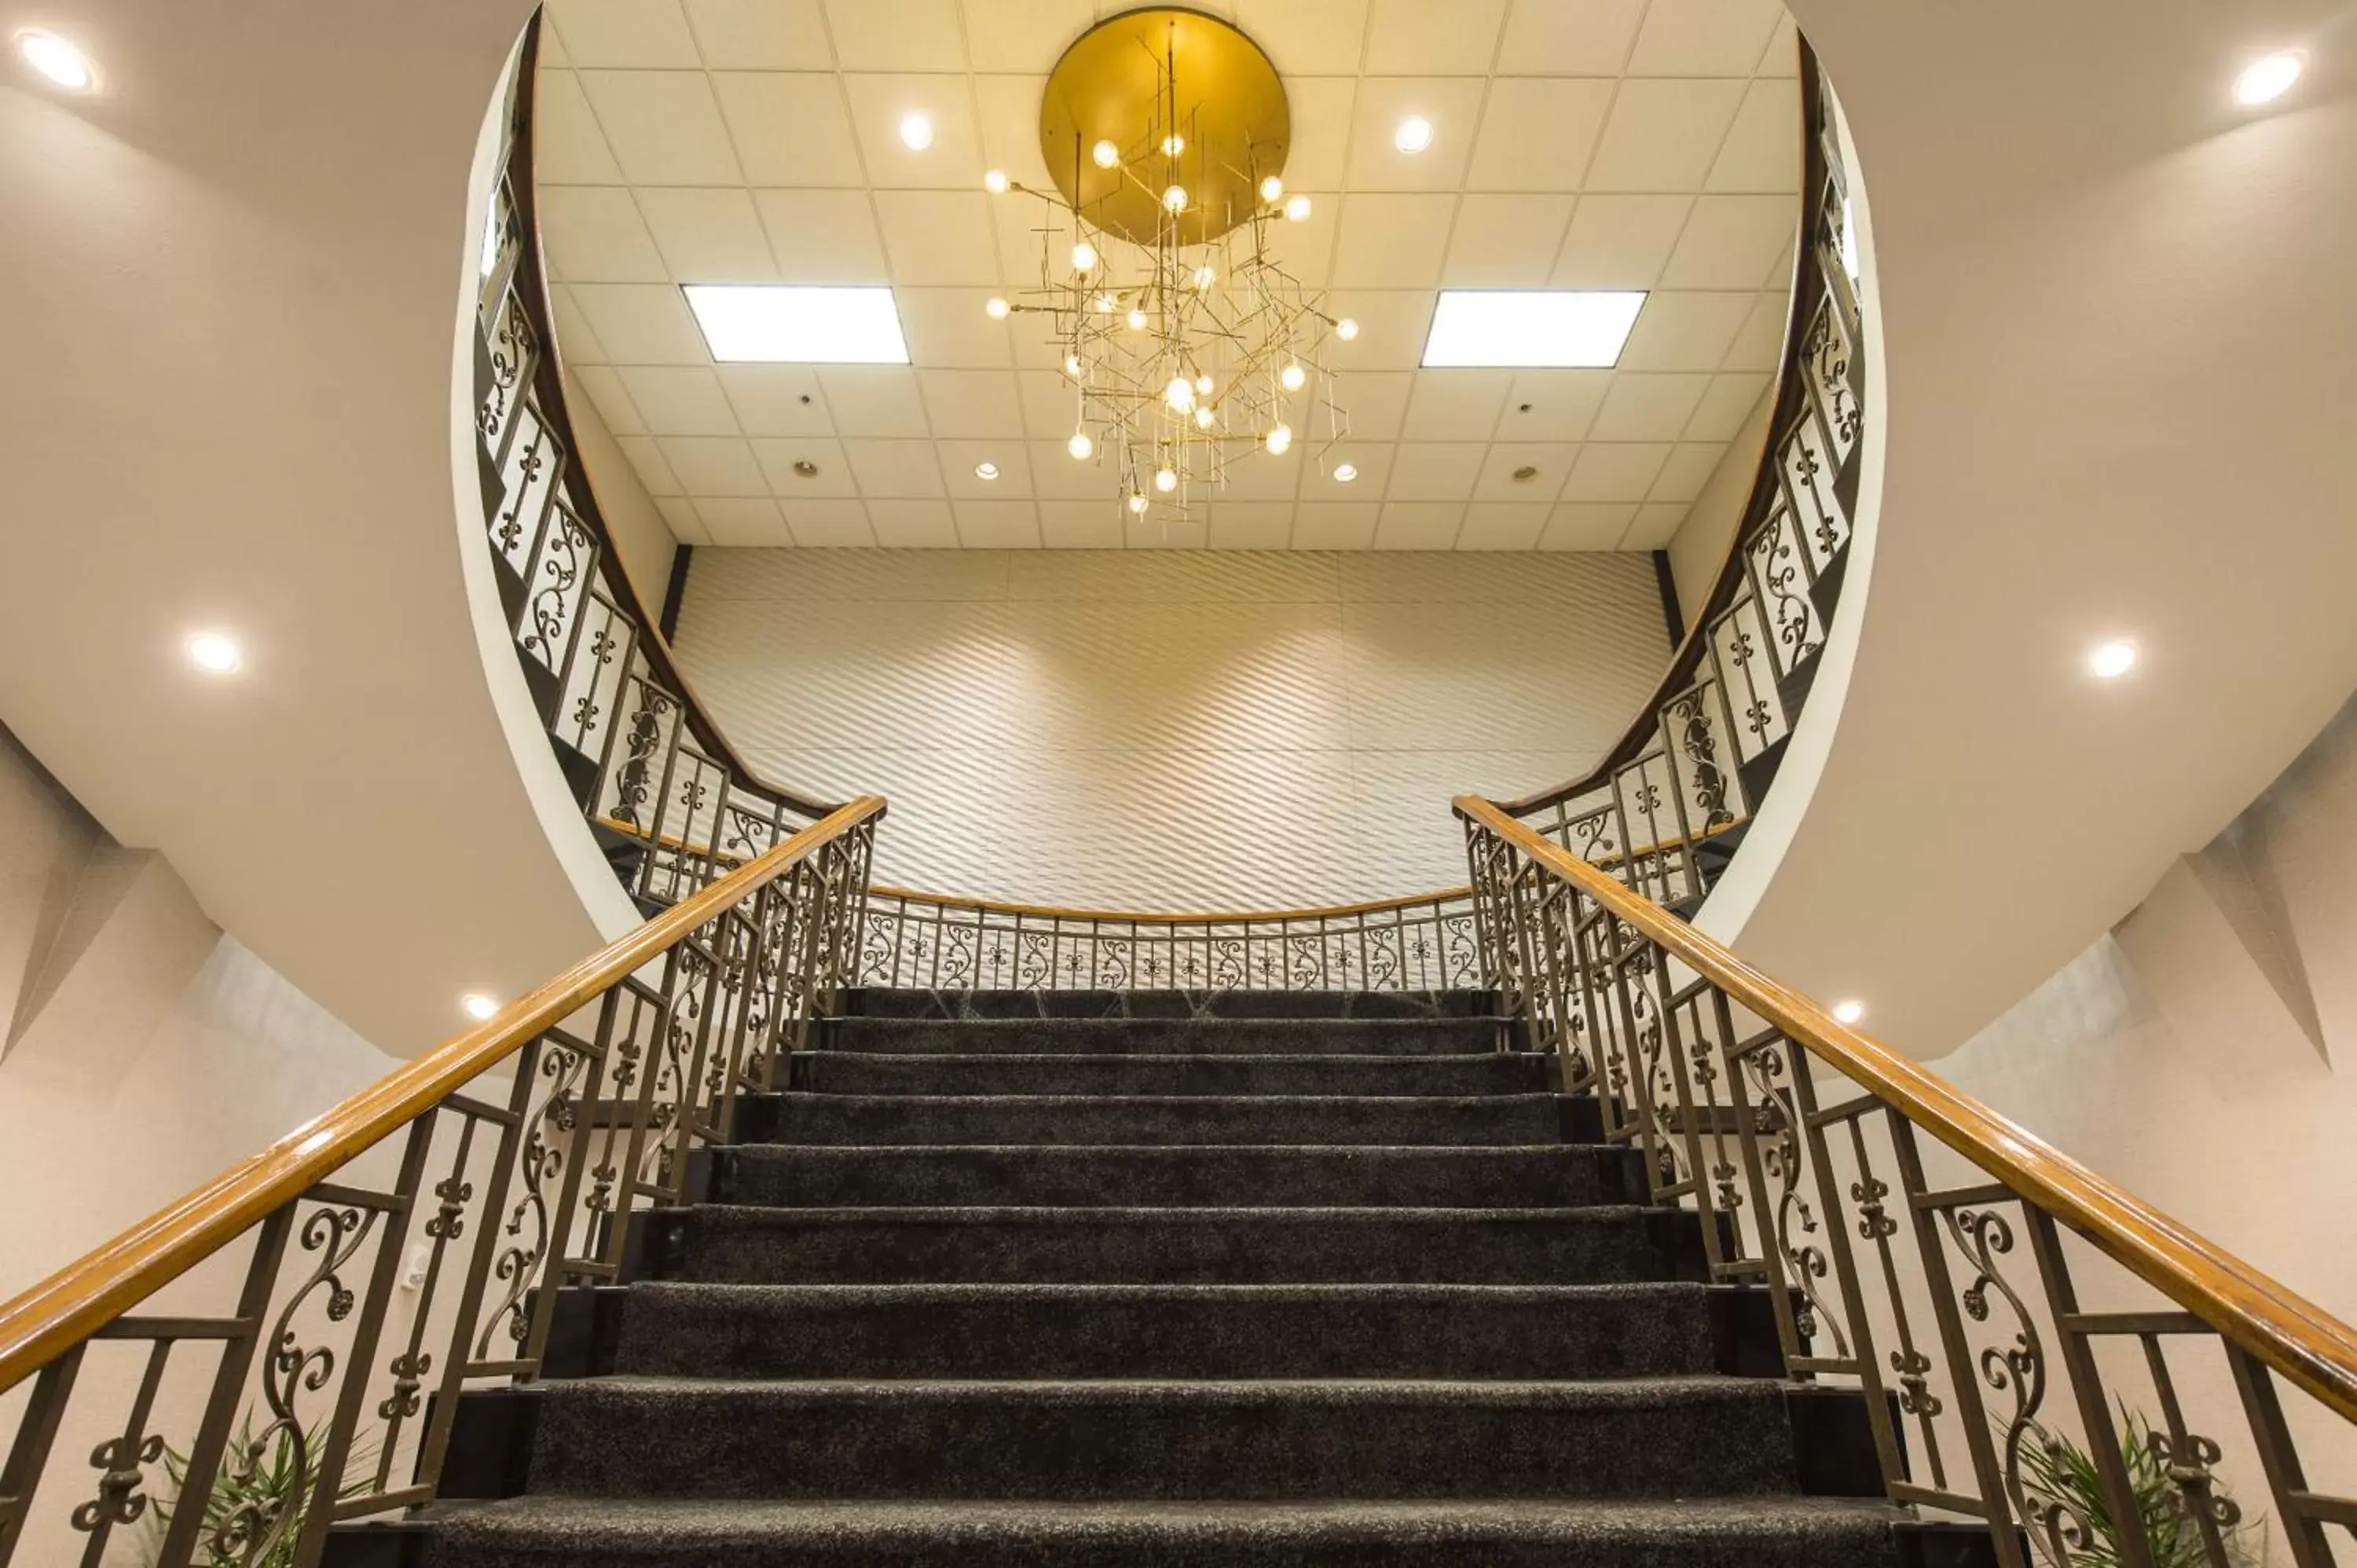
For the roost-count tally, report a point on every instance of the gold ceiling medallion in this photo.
(1137, 80)
(1187, 343)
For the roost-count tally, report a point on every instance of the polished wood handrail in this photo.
(83, 1296)
(1155, 918)
(2293, 1336)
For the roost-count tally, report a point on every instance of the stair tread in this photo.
(1469, 1294)
(1322, 1058)
(1513, 1393)
(1206, 1213)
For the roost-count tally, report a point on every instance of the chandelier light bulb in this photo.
(1166, 480)
(1272, 190)
(1173, 145)
(1291, 377)
(1346, 329)
(995, 181)
(1175, 199)
(1106, 303)
(994, 308)
(1279, 440)
(1345, 472)
(1205, 276)
(1105, 154)
(1179, 394)
(1203, 417)
(1080, 447)
(1085, 257)
(1136, 501)
(1413, 134)
(1203, 382)
(916, 133)
(1297, 208)
(1136, 320)
(1071, 364)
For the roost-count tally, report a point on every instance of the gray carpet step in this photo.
(1166, 1037)
(839, 1119)
(721, 1242)
(1166, 1331)
(1558, 1176)
(581, 1532)
(1080, 1441)
(974, 1072)
(880, 1002)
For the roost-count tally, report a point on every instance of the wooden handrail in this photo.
(83, 1296)
(1147, 917)
(2291, 1334)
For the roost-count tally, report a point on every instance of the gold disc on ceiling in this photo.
(1140, 79)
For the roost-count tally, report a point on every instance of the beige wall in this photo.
(1171, 728)
(1702, 541)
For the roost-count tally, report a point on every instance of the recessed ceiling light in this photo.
(57, 59)
(2265, 81)
(1345, 472)
(209, 650)
(1848, 1011)
(916, 132)
(799, 323)
(1413, 134)
(2112, 660)
(478, 1005)
(986, 471)
(1553, 328)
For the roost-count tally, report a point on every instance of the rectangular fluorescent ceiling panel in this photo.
(1557, 326)
(803, 325)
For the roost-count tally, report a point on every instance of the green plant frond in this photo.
(2057, 1470)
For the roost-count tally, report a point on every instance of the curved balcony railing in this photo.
(1671, 800)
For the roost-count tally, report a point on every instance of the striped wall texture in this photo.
(1170, 729)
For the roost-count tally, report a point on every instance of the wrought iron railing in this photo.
(1995, 1384)
(353, 1279)
(1669, 801)
(641, 755)
(930, 942)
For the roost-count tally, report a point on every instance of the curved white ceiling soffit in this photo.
(2116, 324)
(235, 273)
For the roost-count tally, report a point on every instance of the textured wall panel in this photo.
(1170, 729)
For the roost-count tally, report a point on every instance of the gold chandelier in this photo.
(1188, 348)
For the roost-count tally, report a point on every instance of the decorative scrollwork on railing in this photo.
(549, 1127)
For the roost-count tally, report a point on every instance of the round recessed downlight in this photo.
(1345, 472)
(2265, 81)
(478, 1005)
(1105, 154)
(2112, 660)
(1413, 134)
(916, 132)
(213, 652)
(56, 59)
(1848, 1011)
(986, 471)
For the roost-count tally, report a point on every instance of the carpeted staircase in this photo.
(1136, 1278)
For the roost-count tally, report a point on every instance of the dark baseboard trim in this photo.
(676, 593)
(1662, 574)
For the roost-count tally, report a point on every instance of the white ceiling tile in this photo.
(1505, 241)
(822, 522)
(1646, 407)
(612, 406)
(912, 525)
(1393, 241)
(949, 327)
(713, 464)
(879, 105)
(1371, 460)
(1759, 345)
(873, 400)
(1305, 247)
(708, 235)
(680, 516)
(1684, 331)
(776, 400)
(1257, 476)
(1780, 271)
(1728, 403)
(1320, 107)
(1393, 325)
(896, 471)
(1434, 471)
(1251, 525)
(1615, 470)
(1619, 242)
(1587, 525)
(1730, 241)
(1080, 525)
(1412, 37)
(1027, 230)
(1376, 401)
(1763, 147)
(1023, 35)
(822, 236)
(761, 34)
(653, 471)
(1690, 467)
(1453, 105)
(1569, 37)
(1661, 135)
(641, 323)
(1051, 403)
(1456, 405)
(937, 236)
(1782, 56)
(1162, 530)
(567, 146)
(896, 35)
(1539, 132)
(1335, 525)
(664, 126)
(551, 50)
(1007, 114)
(752, 521)
(999, 525)
(1657, 523)
(973, 404)
(1419, 525)
(593, 233)
(1552, 405)
(1704, 37)
(790, 128)
(1306, 38)
(1507, 460)
(961, 459)
(651, 33)
(1503, 525)
(778, 456)
(680, 400)
(1056, 475)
